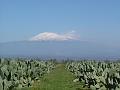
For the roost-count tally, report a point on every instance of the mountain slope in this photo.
(57, 49)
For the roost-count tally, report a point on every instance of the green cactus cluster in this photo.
(97, 75)
(20, 72)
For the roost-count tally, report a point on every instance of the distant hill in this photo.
(58, 49)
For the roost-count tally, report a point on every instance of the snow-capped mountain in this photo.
(49, 36)
(48, 44)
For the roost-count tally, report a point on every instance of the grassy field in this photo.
(58, 79)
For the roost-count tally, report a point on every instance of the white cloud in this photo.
(50, 36)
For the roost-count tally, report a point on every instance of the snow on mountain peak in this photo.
(49, 36)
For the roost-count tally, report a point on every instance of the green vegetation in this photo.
(34, 74)
(19, 73)
(58, 79)
(97, 75)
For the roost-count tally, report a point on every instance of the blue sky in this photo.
(94, 20)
